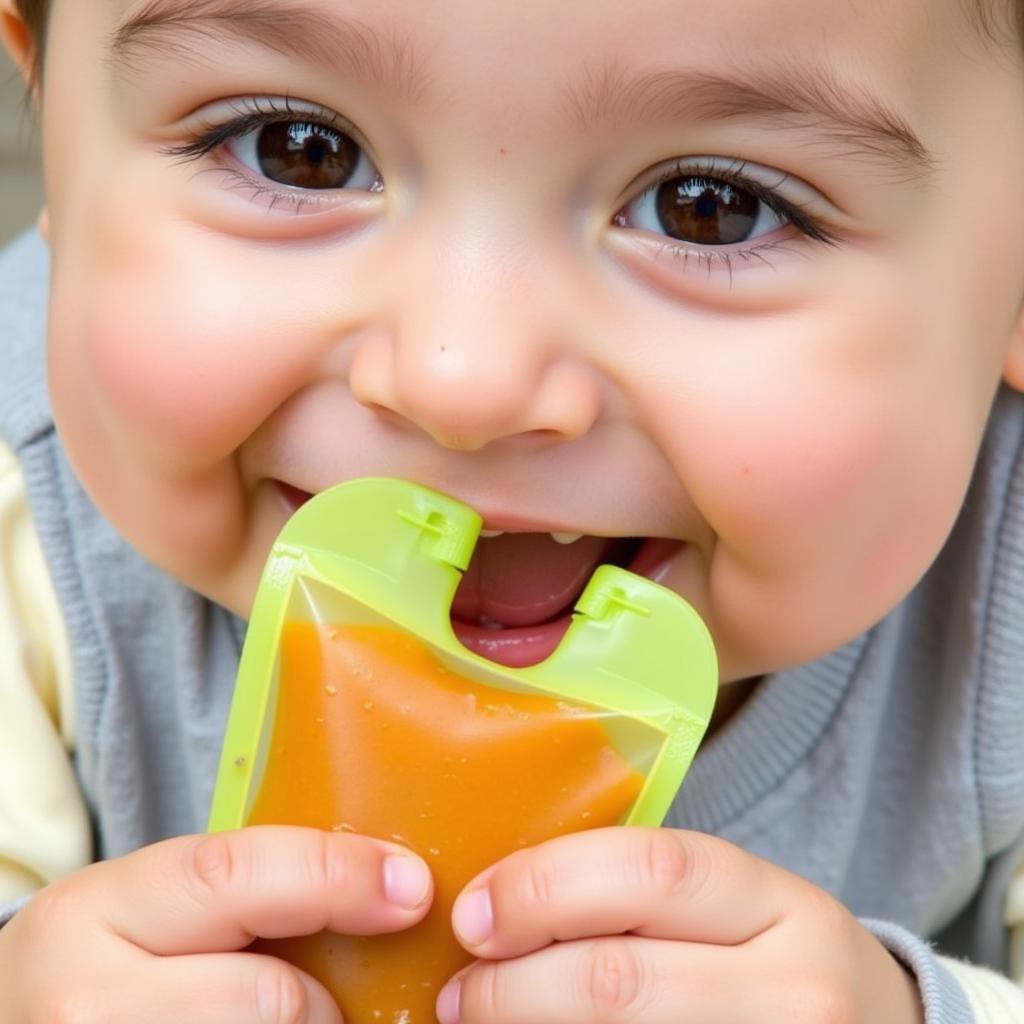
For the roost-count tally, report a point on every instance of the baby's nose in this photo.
(470, 361)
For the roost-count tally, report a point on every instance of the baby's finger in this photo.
(655, 882)
(621, 979)
(209, 893)
(210, 989)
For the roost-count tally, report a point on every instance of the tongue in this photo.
(520, 579)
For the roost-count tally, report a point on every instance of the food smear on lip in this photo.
(373, 734)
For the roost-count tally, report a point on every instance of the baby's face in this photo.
(742, 276)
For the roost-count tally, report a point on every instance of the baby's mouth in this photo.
(516, 598)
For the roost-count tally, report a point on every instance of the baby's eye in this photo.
(305, 154)
(701, 210)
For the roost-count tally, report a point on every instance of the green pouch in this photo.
(357, 709)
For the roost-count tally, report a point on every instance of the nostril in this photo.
(293, 497)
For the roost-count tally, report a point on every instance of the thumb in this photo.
(216, 893)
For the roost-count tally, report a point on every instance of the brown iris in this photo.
(704, 210)
(306, 155)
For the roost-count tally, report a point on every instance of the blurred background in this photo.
(21, 192)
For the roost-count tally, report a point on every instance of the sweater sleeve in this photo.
(44, 826)
(992, 997)
(957, 992)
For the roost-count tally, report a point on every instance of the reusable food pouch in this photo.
(357, 709)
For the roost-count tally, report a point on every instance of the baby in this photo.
(729, 293)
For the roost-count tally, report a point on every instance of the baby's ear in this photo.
(17, 39)
(1013, 365)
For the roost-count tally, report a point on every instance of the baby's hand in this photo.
(654, 925)
(155, 936)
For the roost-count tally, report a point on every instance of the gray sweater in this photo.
(890, 772)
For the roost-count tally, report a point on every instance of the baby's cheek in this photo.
(188, 374)
(157, 376)
(171, 353)
(798, 482)
(827, 491)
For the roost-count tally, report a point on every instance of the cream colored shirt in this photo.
(44, 828)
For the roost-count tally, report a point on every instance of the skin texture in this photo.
(486, 324)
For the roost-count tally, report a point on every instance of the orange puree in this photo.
(374, 735)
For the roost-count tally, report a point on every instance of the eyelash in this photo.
(255, 113)
(733, 174)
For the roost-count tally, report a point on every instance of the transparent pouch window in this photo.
(363, 715)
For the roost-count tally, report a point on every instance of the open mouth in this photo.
(516, 598)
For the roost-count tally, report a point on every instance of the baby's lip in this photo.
(293, 497)
(505, 522)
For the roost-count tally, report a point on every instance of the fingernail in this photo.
(406, 881)
(473, 917)
(447, 1008)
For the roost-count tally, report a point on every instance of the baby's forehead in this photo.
(580, 47)
(517, 32)
(730, 16)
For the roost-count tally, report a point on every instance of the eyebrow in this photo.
(809, 98)
(297, 30)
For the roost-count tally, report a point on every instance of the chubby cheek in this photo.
(826, 477)
(161, 366)
(189, 357)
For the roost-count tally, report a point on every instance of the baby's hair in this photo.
(36, 14)
(997, 20)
